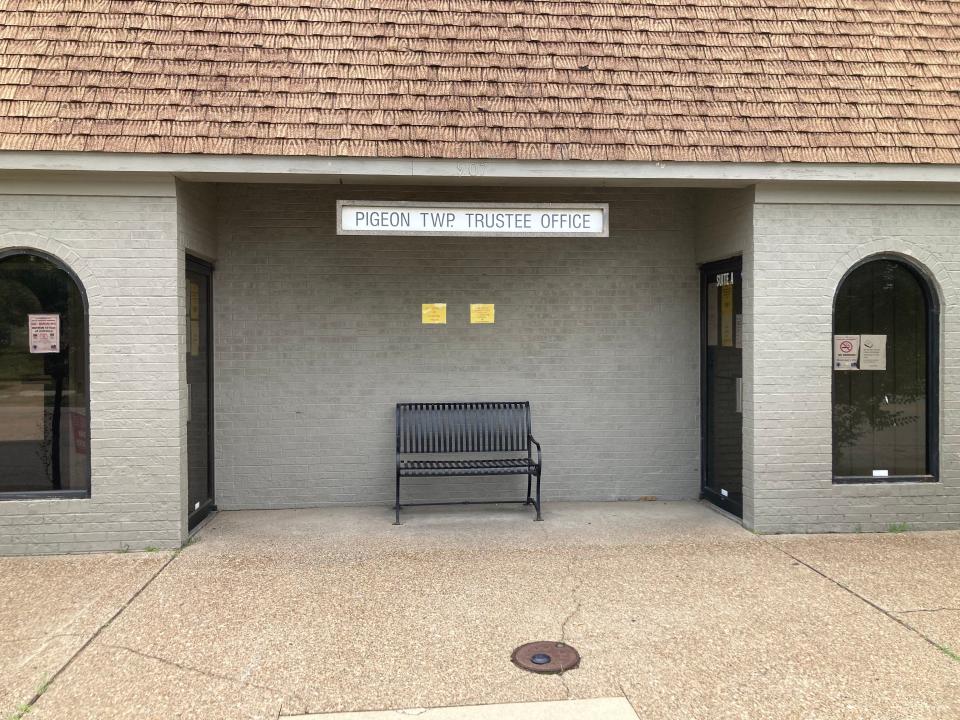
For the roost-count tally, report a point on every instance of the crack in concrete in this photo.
(889, 613)
(926, 610)
(577, 605)
(189, 668)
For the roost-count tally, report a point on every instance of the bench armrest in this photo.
(539, 452)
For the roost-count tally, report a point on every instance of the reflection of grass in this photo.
(15, 365)
(852, 420)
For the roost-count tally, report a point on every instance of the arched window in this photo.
(885, 364)
(44, 386)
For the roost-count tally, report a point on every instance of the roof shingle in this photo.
(865, 81)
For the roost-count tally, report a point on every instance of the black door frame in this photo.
(194, 517)
(713, 268)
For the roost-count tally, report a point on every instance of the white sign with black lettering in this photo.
(873, 352)
(355, 217)
(44, 333)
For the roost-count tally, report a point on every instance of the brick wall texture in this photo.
(318, 337)
(800, 254)
(124, 249)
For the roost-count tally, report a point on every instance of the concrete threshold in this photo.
(595, 709)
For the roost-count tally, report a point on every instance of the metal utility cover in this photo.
(546, 656)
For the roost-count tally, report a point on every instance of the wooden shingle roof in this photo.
(835, 81)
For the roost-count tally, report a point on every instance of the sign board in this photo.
(846, 352)
(356, 217)
(724, 279)
(433, 314)
(482, 314)
(873, 352)
(726, 315)
(44, 333)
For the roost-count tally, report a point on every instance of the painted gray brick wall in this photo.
(124, 249)
(724, 221)
(318, 336)
(801, 252)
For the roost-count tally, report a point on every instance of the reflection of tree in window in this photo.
(43, 396)
(879, 416)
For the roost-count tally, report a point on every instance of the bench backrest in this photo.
(462, 427)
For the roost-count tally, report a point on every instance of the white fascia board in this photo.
(317, 169)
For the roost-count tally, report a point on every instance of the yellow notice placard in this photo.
(726, 316)
(433, 313)
(482, 314)
(194, 301)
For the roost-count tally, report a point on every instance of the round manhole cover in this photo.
(546, 656)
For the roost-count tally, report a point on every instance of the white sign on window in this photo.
(356, 217)
(873, 352)
(44, 333)
(846, 352)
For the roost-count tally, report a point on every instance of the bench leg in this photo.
(396, 507)
(529, 481)
(539, 516)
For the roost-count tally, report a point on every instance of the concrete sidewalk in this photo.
(671, 605)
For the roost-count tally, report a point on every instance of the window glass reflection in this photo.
(880, 414)
(44, 436)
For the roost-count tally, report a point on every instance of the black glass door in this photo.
(199, 392)
(722, 383)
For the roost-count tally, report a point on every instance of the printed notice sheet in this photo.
(433, 313)
(846, 352)
(873, 352)
(481, 314)
(44, 332)
(726, 315)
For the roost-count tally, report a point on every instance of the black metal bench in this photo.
(467, 428)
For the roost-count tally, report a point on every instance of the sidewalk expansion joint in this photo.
(889, 613)
(28, 706)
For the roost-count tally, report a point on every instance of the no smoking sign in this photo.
(846, 352)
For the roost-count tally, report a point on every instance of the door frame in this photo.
(194, 517)
(731, 263)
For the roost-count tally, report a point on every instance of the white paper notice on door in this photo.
(44, 333)
(873, 352)
(846, 352)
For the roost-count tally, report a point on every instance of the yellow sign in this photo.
(726, 316)
(481, 314)
(434, 313)
(194, 301)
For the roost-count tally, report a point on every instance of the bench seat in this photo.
(498, 430)
(463, 468)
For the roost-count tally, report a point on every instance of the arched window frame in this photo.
(56, 261)
(932, 299)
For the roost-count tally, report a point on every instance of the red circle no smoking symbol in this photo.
(846, 346)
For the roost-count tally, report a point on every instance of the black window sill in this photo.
(46, 495)
(891, 479)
